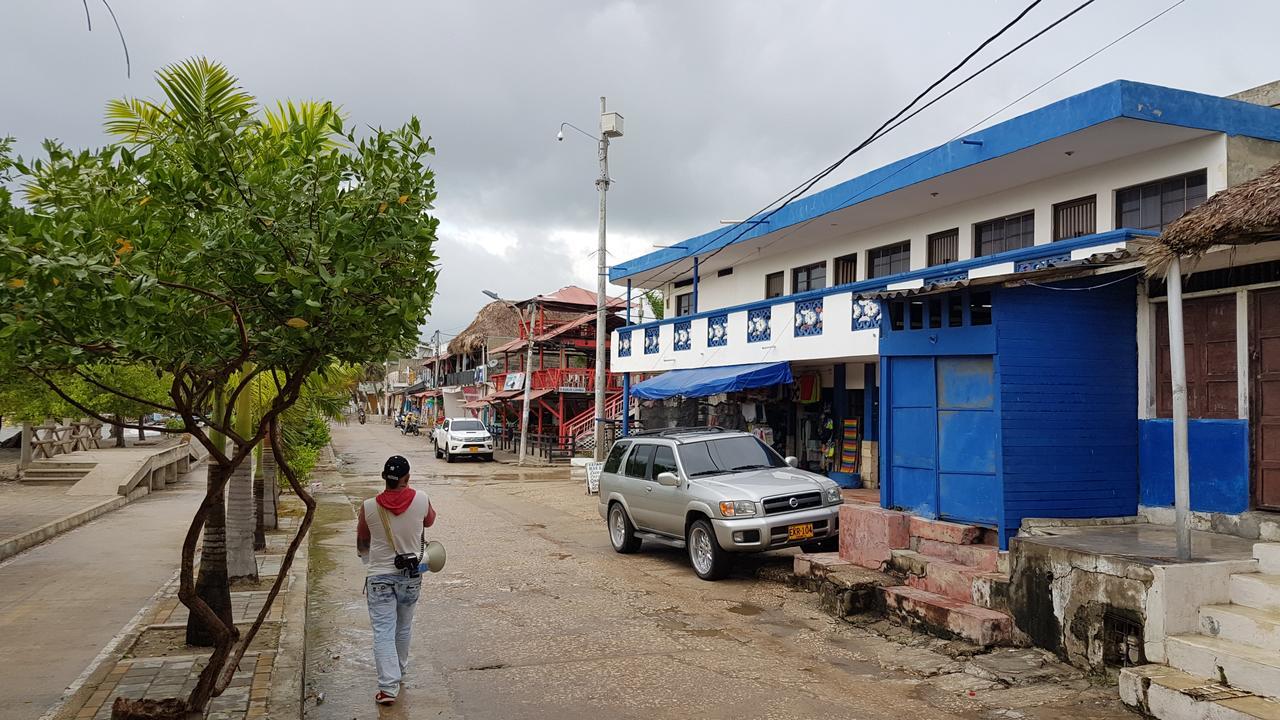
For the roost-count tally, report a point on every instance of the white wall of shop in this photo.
(747, 282)
(838, 340)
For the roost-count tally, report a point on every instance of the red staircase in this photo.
(582, 426)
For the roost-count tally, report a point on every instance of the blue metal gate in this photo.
(943, 438)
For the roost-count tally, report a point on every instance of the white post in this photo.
(1178, 369)
(602, 183)
(528, 382)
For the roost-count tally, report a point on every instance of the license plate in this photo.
(799, 532)
(472, 449)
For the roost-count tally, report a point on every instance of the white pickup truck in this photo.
(462, 437)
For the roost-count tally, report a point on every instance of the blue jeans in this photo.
(391, 602)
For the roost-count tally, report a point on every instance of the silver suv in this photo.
(714, 492)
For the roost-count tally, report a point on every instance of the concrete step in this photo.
(949, 532)
(1229, 663)
(1268, 557)
(1166, 693)
(947, 617)
(1256, 590)
(959, 582)
(34, 477)
(983, 557)
(1245, 625)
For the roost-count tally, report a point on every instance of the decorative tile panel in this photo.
(717, 331)
(758, 329)
(624, 343)
(651, 340)
(866, 314)
(808, 317)
(952, 278)
(683, 335)
(1042, 263)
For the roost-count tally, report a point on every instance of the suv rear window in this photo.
(731, 454)
(638, 461)
(614, 461)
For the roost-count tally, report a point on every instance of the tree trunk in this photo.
(118, 430)
(142, 434)
(259, 507)
(241, 561)
(271, 489)
(212, 584)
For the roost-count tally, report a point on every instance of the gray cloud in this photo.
(728, 103)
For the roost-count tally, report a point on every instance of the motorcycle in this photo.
(411, 428)
(361, 417)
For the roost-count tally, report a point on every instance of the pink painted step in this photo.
(947, 617)
(949, 532)
(982, 557)
(869, 534)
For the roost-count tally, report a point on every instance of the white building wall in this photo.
(747, 282)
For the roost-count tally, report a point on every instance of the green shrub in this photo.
(174, 424)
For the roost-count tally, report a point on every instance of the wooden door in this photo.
(1209, 330)
(1264, 354)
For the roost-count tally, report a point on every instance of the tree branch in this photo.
(93, 413)
(120, 393)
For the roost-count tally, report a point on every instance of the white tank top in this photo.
(406, 530)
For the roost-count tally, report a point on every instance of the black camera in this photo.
(408, 564)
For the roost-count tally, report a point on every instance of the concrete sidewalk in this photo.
(63, 601)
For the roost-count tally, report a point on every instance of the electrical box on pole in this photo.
(611, 125)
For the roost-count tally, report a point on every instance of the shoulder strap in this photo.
(386, 527)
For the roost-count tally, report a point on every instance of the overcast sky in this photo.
(727, 103)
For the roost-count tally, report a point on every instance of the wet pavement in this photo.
(535, 616)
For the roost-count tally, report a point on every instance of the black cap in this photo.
(396, 468)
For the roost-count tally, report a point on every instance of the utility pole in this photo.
(610, 127)
(528, 382)
(1178, 376)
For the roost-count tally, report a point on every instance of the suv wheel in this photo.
(708, 560)
(621, 532)
(438, 453)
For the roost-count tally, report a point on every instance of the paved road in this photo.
(536, 617)
(63, 601)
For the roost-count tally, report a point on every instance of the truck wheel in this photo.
(448, 456)
(621, 532)
(708, 560)
(438, 453)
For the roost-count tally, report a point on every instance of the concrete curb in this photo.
(288, 683)
(50, 530)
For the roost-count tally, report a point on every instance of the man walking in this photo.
(390, 552)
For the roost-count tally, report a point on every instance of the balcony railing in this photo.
(466, 377)
(567, 380)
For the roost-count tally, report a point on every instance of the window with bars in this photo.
(889, 259)
(1007, 233)
(809, 277)
(773, 285)
(1075, 218)
(847, 269)
(944, 247)
(1156, 204)
(684, 304)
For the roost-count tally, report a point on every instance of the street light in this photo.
(610, 127)
(528, 367)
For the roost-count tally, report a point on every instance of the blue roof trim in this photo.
(1117, 99)
(933, 272)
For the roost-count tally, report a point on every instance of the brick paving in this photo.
(245, 697)
(250, 694)
(24, 508)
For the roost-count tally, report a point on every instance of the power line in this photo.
(850, 200)
(804, 186)
(888, 126)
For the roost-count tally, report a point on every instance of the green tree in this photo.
(221, 250)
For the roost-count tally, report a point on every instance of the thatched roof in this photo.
(497, 319)
(1241, 215)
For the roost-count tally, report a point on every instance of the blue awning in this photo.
(700, 382)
